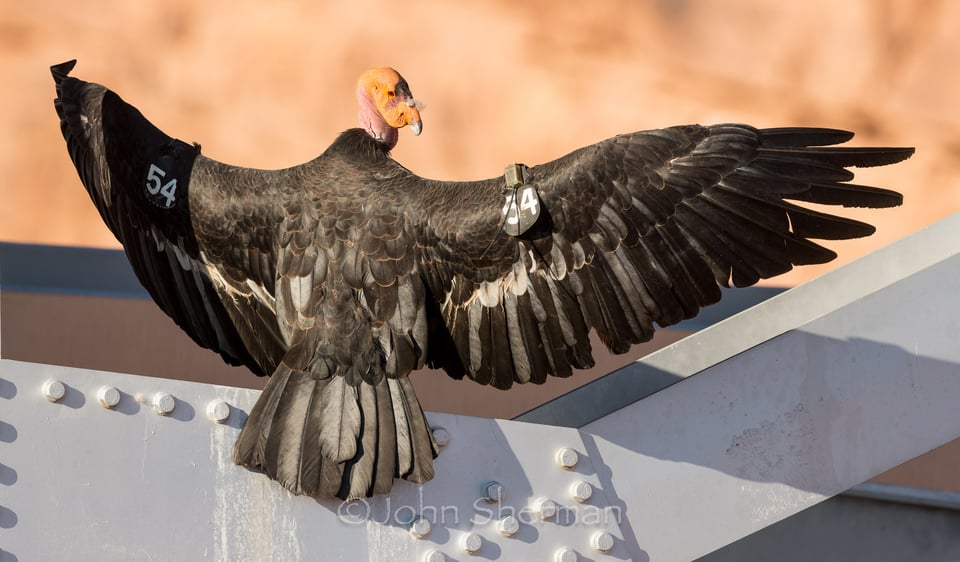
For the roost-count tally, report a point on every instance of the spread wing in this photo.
(635, 231)
(138, 178)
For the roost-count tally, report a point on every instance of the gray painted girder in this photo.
(128, 484)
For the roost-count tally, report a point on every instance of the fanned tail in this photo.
(326, 438)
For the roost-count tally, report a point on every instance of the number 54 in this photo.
(155, 186)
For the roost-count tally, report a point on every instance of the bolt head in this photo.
(163, 403)
(581, 490)
(493, 492)
(420, 527)
(565, 554)
(472, 543)
(602, 541)
(53, 390)
(108, 396)
(508, 526)
(545, 508)
(434, 556)
(441, 435)
(218, 411)
(567, 458)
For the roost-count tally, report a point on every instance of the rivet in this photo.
(493, 492)
(508, 526)
(218, 411)
(434, 556)
(567, 458)
(581, 490)
(440, 435)
(602, 541)
(420, 527)
(545, 508)
(565, 554)
(472, 543)
(163, 403)
(53, 390)
(108, 396)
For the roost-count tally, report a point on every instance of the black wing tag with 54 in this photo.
(522, 206)
(167, 176)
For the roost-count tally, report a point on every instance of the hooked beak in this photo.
(409, 114)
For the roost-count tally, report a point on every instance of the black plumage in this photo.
(341, 276)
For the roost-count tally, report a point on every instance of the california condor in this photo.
(341, 276)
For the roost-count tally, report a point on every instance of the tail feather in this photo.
(311, 461)
(332, 475)
(423, 447)
(340, 420)
(252, 443)
(404, 446)
(290, 418)
(361, 468)
(387, 449)
(283, 435)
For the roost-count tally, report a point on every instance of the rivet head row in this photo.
(420, 528)
(472, 543)
(434, 556)
(440, 435)
(565, 554)
(602, 541)
(108, 396)
(53, 390)
(493, 492)
(567, 458)
(545, 508)
(508, 526)
(581, 490)
(218, 411)
(163, 403)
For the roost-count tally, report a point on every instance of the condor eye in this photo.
(391, 93)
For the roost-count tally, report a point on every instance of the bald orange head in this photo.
(386, 104)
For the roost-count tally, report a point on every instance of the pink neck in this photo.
(372, 122)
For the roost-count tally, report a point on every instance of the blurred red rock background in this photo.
(271, 84)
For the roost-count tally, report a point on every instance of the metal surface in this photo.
(58, 269)
(846, 528)
(121, 483)
(920, 497)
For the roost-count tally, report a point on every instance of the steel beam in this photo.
(133, 481)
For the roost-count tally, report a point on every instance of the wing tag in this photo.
(522, 206)
(168, 174)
